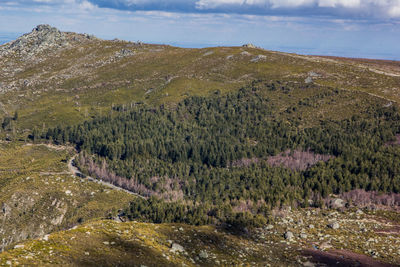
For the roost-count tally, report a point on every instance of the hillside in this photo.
(363, 239)
(166, 156)
(49, 76)
(39, 195)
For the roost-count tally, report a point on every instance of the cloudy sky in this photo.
(358, 28)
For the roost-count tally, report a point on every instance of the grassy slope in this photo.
(72, 84)
(37, 195)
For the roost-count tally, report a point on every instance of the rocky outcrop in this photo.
(41, 38)
(249, 46)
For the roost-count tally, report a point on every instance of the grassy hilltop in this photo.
(85, 76)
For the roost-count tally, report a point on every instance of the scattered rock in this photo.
(308, 80)
(311, 226)
(203, 254)
(41, 38)
(314, 74)
(289, 235)
(303, 235)
(176, 248)
(269, 227)
(5, 209)
(258, 58)
(124, 53)
(249, 46)
(208, 53)
(334, 225)
(337, 203)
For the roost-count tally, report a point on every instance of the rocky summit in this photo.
(41, 38)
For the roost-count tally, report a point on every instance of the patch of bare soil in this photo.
(297, 160)
(343, 258)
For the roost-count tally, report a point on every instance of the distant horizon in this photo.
(357, 28)
(6, 37)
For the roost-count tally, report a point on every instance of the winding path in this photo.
(77, 173)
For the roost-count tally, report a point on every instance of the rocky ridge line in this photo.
(39, 39)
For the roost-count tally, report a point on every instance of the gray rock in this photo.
(311, 226)
(337, 203)
(288, 235)
(269, 227)
(5, 209)
(313, 74)
(203, 254)
(259, 58)
(334, 225)
(176, 248)
(249, 46)
(41, 38)
(303, 235)
(124, 53)
(308, 80)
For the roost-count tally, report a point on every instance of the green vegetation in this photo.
(197, 152)
(86, 79)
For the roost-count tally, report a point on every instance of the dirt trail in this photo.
(76, 172)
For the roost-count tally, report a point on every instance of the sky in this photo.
(351, 28)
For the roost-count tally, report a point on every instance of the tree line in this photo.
(185, 154)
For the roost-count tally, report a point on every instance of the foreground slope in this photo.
(366, 239)
(38, 194)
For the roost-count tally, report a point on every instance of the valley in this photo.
(133, 154)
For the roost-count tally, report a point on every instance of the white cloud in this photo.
(290, 3)
(370, 9)
(340, 3)
(376, 8)
(85, 5)
(394, 10)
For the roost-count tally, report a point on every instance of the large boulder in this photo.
(288, 235)
(176, 248)
(337, 203)
(334, 225)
